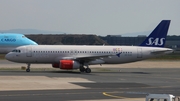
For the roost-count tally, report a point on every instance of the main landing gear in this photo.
(28, 67)
(87, 70)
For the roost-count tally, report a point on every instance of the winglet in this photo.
(157, 37)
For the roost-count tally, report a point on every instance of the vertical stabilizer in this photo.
(157, 38)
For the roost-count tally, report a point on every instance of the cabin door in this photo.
(139, 52)
(29, 51)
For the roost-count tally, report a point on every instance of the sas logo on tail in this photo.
(156, 41)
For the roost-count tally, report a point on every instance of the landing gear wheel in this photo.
(88, 70)
(27, 70)
(82, 69)
(28, 67)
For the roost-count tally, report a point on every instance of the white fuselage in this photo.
(91, 54)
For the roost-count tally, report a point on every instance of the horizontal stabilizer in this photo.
(161, 51)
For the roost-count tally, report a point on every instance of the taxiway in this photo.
(109, 83)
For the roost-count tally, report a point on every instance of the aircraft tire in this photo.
(88, 70)
(27, 70)
(82, 69)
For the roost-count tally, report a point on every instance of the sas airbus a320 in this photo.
(80, 57)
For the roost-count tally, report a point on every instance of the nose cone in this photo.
(8, 56)
(30, 42)
(27, 41)
(33, 43)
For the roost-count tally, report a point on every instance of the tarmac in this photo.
(122, 82)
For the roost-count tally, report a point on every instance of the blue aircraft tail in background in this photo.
(157, 38)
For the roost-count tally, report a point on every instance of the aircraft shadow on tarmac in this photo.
(51, 73)
(71, 72)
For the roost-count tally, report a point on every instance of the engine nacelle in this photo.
(67, 64)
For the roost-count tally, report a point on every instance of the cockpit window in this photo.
(23, 36)
(14, 51)
(17, 51)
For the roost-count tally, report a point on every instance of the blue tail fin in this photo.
(157, 37)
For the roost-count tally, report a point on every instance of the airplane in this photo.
(70, 57)
(9, 41)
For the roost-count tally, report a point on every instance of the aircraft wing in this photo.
(89, 58)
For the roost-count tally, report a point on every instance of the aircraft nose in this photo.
(34, 43)
(8, 56)
(30, 42)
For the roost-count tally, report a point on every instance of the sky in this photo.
(101, 17)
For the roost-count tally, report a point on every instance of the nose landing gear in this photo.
(28, 67)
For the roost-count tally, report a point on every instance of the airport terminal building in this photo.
(171, 41)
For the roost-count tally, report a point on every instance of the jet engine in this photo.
(67, 64)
